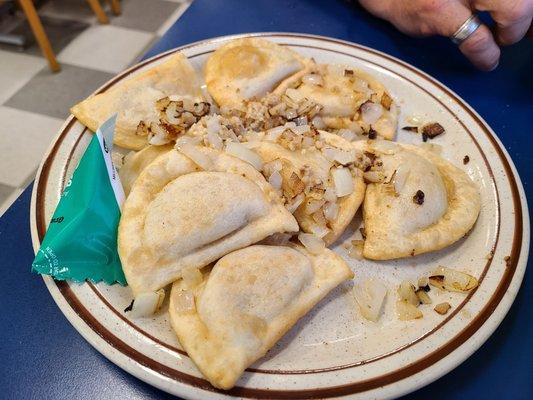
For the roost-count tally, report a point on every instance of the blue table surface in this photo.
(42, 356)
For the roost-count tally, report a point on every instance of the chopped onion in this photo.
(192, 277)
(312, 243)
(245, 154)
(407, 311)
(318, 217)
(212, 124)
(370, 296)
(442, 308)
(273, 134)
(184, 301)
(301, 120)
(347, 134)
(360, 85)
(319, 230)
(194, 153)
(291, 113)
(423, 296)
(301, 129)
(275, 180)
(330, 195)
(452, 280)
(331, 210)
(272, 166)
(170, 113)
(187, 140)
(400, 177)
(373, 176)
(318, 122)
(343, 181)
(252, 136)
(158, 136)
(357, 249)
(335, 69)
(312, 79)
(423, 281)
(214, 140)
(294, 95)
(371, 112)
(407, 293)
(313, 206)
(295, 203)
(341, 156)
(146, 304)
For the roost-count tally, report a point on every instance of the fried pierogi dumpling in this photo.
(350, 99)
(250, 299)
(135, 100)
(423, 204)
(248, 68)
(180, 214)
(135, 162)
(308, 173)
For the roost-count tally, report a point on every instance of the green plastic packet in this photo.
(81, 241)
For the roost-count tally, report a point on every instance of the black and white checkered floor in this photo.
(34, 101)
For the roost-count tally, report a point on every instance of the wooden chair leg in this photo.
(39, 33)
(115, 6)
(99, 11)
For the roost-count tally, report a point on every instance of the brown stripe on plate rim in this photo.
(357, 386)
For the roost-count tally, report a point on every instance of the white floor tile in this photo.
(7, 202)
(24, 137)
(173, 17)
(105, 48)
(15, 71)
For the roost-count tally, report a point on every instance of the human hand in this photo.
(444, 17)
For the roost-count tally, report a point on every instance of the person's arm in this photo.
(444, 17)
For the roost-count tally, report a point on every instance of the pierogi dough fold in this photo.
(179, 215)
(249, 300)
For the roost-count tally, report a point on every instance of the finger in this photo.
(512, 17)
(480, 47)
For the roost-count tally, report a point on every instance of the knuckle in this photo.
(432, 6)
(517, 11)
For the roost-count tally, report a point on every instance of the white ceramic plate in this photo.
(332, 351)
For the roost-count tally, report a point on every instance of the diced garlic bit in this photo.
(370, 296)
(192, 277)
(331, 211)
(146, 304)
(184, 301)
(356, 251)
(245, 154)
(406, 311)
(312, 243)
(406, 292)
(452, 280)
(194, 153)
(442, 308)
(423, 296)
(343, 181)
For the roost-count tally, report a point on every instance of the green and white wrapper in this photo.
(81, 241)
